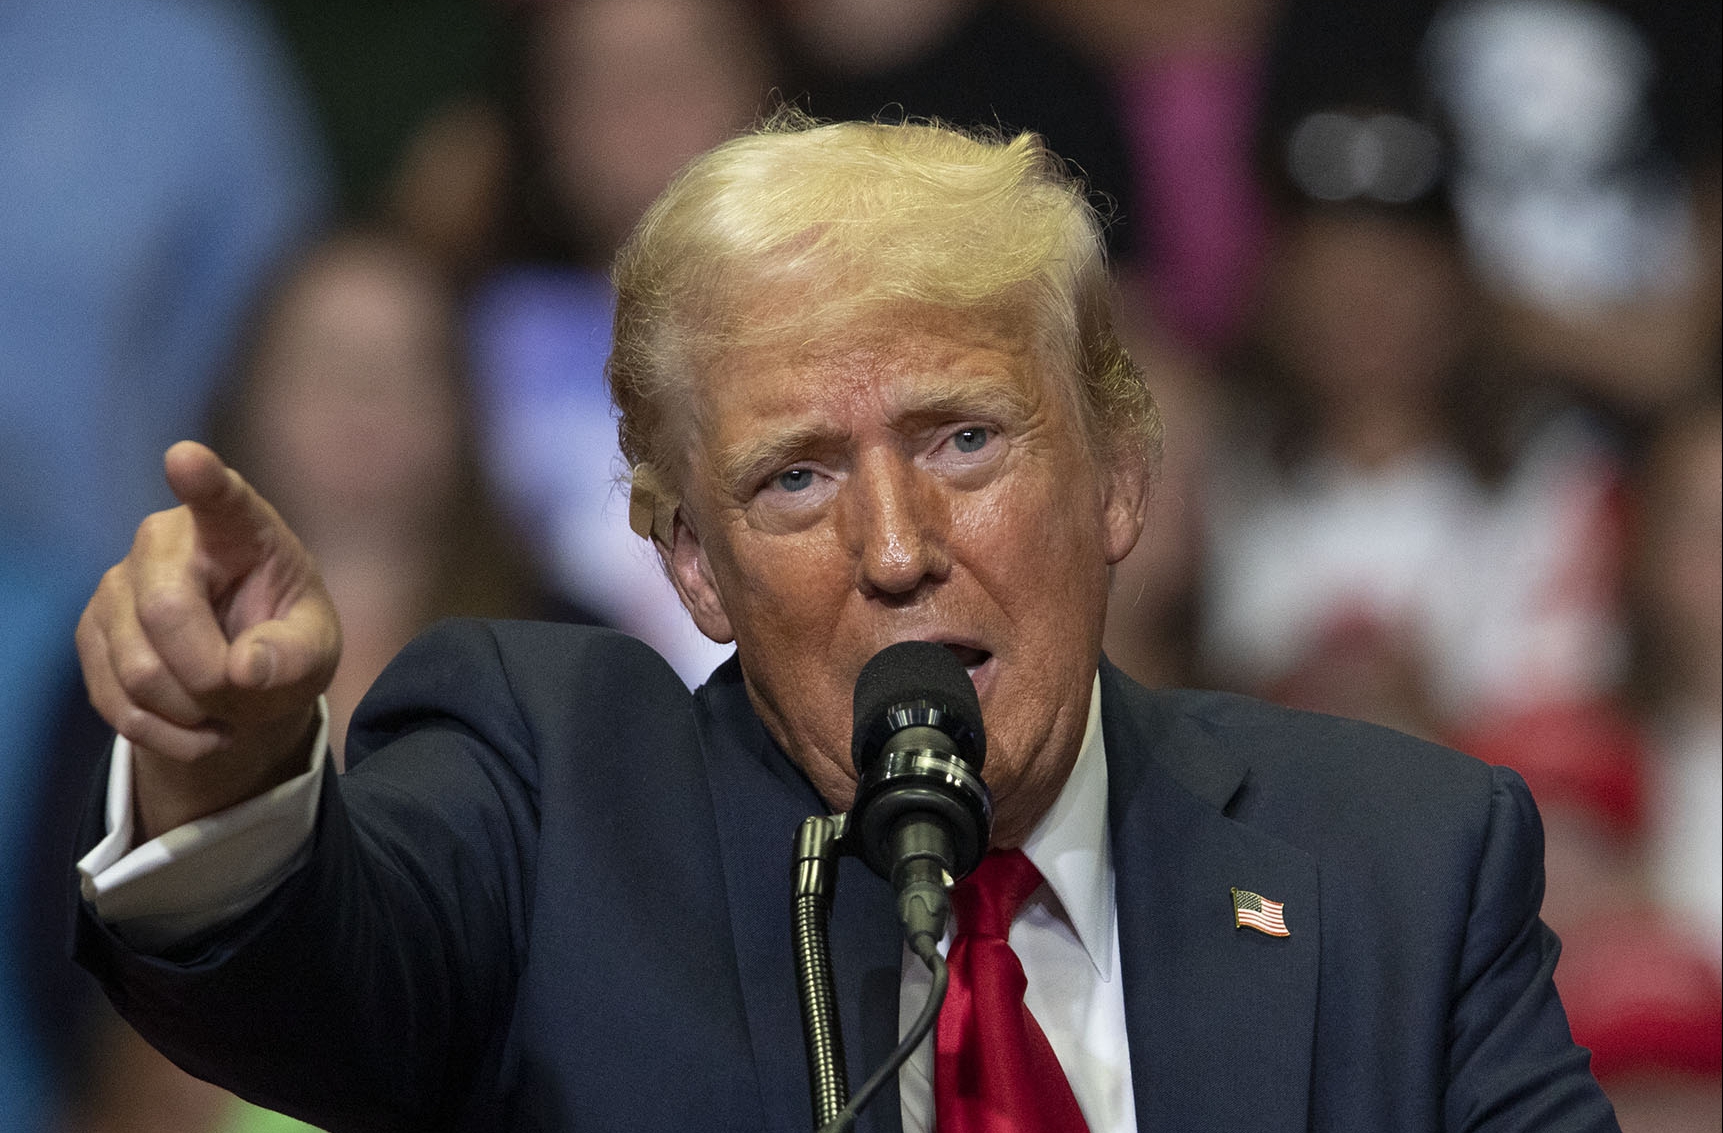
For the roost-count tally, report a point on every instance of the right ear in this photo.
(691, 573)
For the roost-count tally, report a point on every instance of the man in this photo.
(869, 392)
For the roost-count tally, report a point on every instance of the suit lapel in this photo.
(761, 798)
(1220, 1019)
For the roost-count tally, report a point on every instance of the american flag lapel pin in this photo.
(1253, 910)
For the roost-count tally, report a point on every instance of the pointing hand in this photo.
(208, 645)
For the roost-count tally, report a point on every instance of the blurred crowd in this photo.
(1428, 291)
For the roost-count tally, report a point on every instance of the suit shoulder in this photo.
(1280, 740)
(1318, 779)
(532, 651)
(518, 677)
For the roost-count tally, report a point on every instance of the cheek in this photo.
(1039, 538)
(781, 590)
(787, 606)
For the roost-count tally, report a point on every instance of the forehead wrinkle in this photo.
(991, 395)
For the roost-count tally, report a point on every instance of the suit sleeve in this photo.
(1513, 1064)
(371, 989)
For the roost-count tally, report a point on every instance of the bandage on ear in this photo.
(651, 509)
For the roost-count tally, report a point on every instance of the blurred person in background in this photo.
(1678, 596)
(1633, 805)
(613, 99)
(1397, 536)
(353, 407)
(408, 98)
(156, 161)
(351, 404)
(1187, 79)
(617, 95)
(1433, 529)
(1379, 547)
(1586, 146)
(1586, 143)
(1654, 1009)
(995, 64)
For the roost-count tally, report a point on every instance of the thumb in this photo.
(294, 653)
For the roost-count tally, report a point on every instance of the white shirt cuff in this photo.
(206, 872)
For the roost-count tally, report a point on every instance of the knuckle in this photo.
(109, 592)
(165, 608)
(139, 670)
(154, 527)
(98, 672)
(97, 617)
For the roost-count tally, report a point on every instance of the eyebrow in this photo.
(737, 466)
(936, 398)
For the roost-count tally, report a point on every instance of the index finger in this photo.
(228, 513)
(170, 591)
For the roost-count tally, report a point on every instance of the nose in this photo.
(896, 520)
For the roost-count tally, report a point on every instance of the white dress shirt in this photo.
(206, 872)
(214, 869)
(1067, 937)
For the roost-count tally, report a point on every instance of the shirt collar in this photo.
(1071, 849)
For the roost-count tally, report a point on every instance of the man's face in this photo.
(917, 477)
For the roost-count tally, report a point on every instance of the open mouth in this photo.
(971, 657)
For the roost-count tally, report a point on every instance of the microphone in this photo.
(921, 820)
(922, 815)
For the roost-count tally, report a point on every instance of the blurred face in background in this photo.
(1368, 309)
(351, 414)
(627, 91)
(858, 36)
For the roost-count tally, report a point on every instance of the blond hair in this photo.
(858, 216)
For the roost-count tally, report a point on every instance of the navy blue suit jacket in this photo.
(552, 892)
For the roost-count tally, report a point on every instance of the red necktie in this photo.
(993, 1069)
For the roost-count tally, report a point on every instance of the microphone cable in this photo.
(929, 953)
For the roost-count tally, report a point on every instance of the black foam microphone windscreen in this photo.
(915, 683)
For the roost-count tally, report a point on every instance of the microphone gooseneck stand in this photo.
(921, 819)
(816, 880)
(835, 1111)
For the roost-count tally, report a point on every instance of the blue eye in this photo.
(971, 439)
(794, 480)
